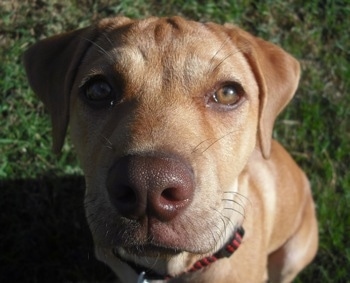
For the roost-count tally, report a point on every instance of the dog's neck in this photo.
(226, 251)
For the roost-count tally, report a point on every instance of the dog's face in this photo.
(173, 98)
(164, 115)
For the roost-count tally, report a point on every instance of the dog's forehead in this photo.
(170, 39)
(164, 33)
(169, 52)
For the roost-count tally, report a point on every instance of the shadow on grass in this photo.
(44, 236)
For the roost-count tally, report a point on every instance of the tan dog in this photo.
(172, 122)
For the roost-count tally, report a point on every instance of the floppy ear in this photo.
(277, 74)
(51, 66)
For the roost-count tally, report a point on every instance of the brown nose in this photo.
(160, 187)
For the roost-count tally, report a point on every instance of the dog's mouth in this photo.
(132, 254)
(148, 259)
(148, 250)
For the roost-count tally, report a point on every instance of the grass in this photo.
(41, 194)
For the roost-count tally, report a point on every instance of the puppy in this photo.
(172, 123)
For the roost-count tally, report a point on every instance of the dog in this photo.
(172, 123)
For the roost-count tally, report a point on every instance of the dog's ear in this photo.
(51, 65)
(277, 74)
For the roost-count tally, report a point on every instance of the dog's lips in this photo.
(154, 238)
(148, 250)
(151, 236)
(151, 258)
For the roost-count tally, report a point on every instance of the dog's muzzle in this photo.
(226, 251)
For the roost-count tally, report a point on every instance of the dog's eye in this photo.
(228, 95)
(98, 91)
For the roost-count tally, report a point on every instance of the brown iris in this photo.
(227, 95)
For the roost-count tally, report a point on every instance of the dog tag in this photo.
(141, 278)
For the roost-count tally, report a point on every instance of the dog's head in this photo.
(164, 115)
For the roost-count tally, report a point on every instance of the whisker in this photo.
(108, 39)
(108, 144)
(240, 201)
(224, 59)
(217, 52)
(242, 197)
(100, 48)
(198, 145)
(235, 210)
(189, 220)
(235, 202)
(217, 140)
(226, 221)
(218, 233)
(239, 50)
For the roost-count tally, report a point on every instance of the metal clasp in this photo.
(141, 278)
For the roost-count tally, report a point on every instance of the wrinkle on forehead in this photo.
(165, 55)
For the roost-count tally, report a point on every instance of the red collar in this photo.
(226, 251)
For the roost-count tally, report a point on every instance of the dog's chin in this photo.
(160, 260)
(163, 251)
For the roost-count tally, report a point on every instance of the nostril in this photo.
(126, 194)
(126, 201)
(171, 201)
(173, 195)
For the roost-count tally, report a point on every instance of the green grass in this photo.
(42, 215)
